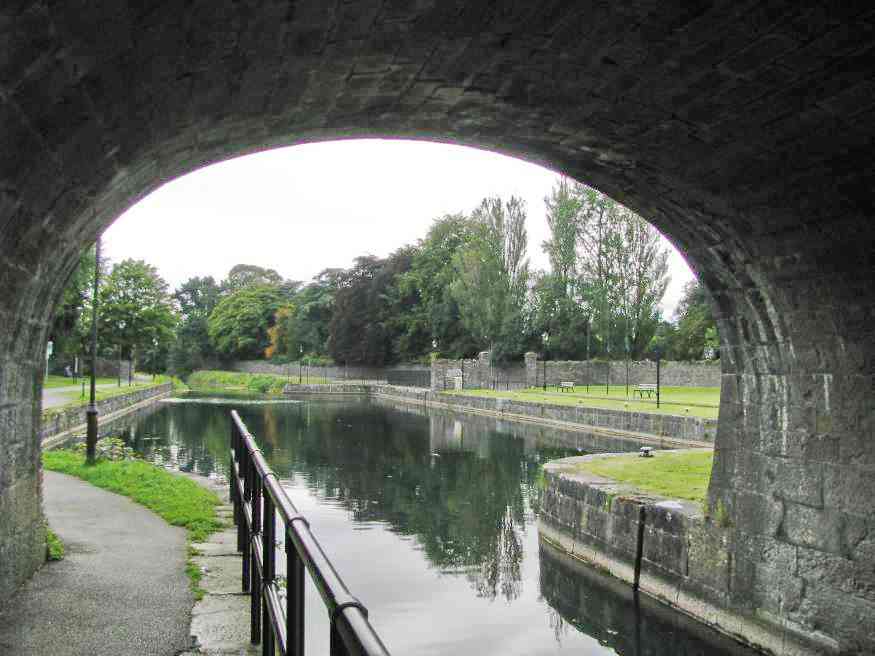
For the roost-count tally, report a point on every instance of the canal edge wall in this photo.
(685, 560)
(58, 427)
(662, 430)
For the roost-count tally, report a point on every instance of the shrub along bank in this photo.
(236, 381)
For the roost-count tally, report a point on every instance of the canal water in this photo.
(430, 518)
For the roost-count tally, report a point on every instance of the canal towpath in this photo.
(120, 589)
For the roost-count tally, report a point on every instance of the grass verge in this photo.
(238, 381)
(683, 475)
(701, 402)
(53, 381)
(100, 394)
(175, 499)
(54, 546)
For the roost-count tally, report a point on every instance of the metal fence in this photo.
(259, 502)
(409, 377)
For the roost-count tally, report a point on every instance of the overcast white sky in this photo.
(306, 208)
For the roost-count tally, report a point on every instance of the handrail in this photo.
(258, 497)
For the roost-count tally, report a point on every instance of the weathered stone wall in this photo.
(331, 372)
(743, 133)
(671, 373)
(687, 559)
(647, 426)
(448, 425)
(63, 419)
(330, 389)
(477, 374)
(531, 373)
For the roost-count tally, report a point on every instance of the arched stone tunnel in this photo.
(743, 130)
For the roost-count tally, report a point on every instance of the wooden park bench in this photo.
(649, 388)
(566, 385)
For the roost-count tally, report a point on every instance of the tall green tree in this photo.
(695, 328)
(308, 326)
(197, 298)
(244, 275)
(436, 318)
(136, 312)
(492, 278)
(67, 329)
(562, 312)
(238, 326)
(358, 332)
(623, 273)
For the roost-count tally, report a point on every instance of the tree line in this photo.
(466, 286)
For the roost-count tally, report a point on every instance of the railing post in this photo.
(336, 646)
(232, 479)
(294, 598)
(268, 554)
(245, 531)
(255, 581)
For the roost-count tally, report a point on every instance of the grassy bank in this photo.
(51, 382)
(76, 398)
(236, 381)
(175, 499)
(682, 475)
(701, 402)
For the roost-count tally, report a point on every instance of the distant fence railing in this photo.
(258, 498)
(409, 377)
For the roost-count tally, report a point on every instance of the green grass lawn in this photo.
(683, 475)
(76, 398)
(63, 381)
(177, 500)
(695, 401)
(239, 381)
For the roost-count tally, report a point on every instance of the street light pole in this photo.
(91, 412)
(658, 358)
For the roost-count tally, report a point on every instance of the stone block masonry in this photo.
(481, 374)
(745, 136)
(687, 560)
(659, 429)
(62, 421)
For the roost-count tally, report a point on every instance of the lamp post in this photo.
(546, 339)
(300, 364)
(91, 412)
(658, 358)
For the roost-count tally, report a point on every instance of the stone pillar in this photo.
(484, 370)
(531, 360)
(438, 372)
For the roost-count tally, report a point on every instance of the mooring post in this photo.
(639, 551)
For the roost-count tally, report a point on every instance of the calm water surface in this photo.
(431, 520)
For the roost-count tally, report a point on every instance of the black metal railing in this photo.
(409, 377)
(258, 498)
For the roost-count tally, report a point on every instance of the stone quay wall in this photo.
(332, 372)
(657, 428)
(56, 422)
(481, 374)
(686, 558)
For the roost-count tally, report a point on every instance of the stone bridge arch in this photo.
(743, 130)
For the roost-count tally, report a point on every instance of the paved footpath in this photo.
(55, 396)
(121, 589)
